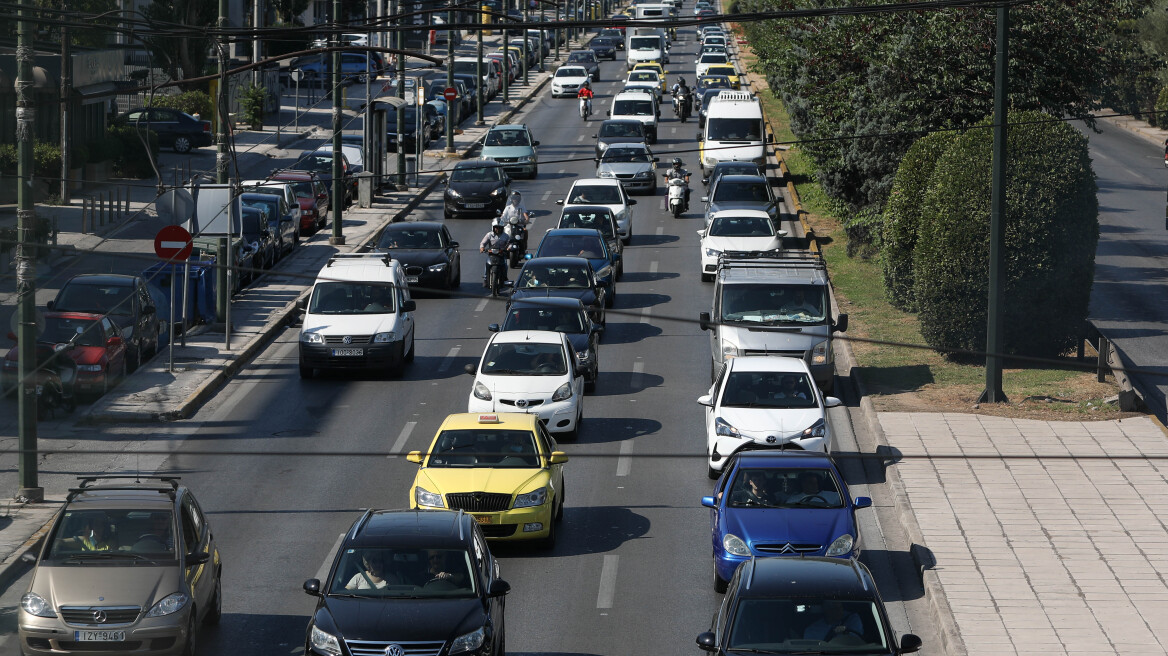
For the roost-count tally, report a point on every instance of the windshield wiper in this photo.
(108, 554)
(348, 595)
(752, 650)
(504, 372)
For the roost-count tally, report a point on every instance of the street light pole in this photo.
(993, 392)
(524, 35)
(221, 98)
(400, 111)
(480, 120)
(450, 104)
(337, 238)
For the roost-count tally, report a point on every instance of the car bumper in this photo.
(374, 356)
(516, 524)
(161, 636)
(430, 279)
(556, 416)
(639, 184)
(467, 206)
(721, 448)
(709, 263)
(521, 168)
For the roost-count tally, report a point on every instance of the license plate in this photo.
(482, 519)
(99, 636)
(475, 206)
(348, 352)
(411, 279)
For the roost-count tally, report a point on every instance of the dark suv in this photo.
(409, 582)
(806, 606)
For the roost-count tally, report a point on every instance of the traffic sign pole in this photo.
(173, 243)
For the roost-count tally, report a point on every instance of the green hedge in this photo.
(1051, 229)
(191, 102)
(46, 160)
(1160, 118)
(902, 215)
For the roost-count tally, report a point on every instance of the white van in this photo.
(733, 131)
(653, 10)
(645, 48)
(638, 105)
(358, 316)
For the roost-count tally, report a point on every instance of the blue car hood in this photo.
(491, 152)
(780, 525)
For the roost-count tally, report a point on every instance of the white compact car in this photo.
(530, 371)
(567, 80)
(736, 230)
(764, 402)
(608, 192)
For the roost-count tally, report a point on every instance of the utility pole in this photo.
(993, 372)
(400, 111)
(221, 100)
(66, 88)
(337, 238)
(482, 10)
(366, 125)
(542, 35)
(450, 104)
(26, 262)
(257, 45)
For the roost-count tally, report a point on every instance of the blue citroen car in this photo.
(588, 244)
(788, 504)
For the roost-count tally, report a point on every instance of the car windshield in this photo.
(767, 389)
(303, 189)
(807, 625)
(588, 194)
(410, 238)
(785, 488)
(646, 43)
(572, 246)
(560, 320)
(625, 155)
(351, 298)
(114, 534)
(269, 207)
(734, 129)
(507, 138)
(773, 303)
(621, 130)
(100, 299)
(722, 70)
(83, 332)
(626, 107)
(741, 226)
(574, 71)
(255, 220)
(524, 359)
(559, 276)
(315, 163)
(493, 448)
(383, 572)
(480, 173)
(587, 220)
(742, 192)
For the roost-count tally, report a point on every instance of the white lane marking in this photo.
(449, 359)
(673, 130)
(624, 463)
(579, 138)
(400, 442)
(328, 560)
(546, 194)
(607, 582)
(645, 312)
(662, 206)
(482, 305)
(653, 265)
(660, 230)
(572, 155)
(561, 170)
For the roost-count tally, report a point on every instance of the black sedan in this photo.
(431, 124)
(604, 47)
(477, 187)
(125, 299)
(563, 315)
(175, 129)
(430, 257)
(567, 277)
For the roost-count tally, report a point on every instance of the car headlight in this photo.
(312, 338)
(325, 642)
(723, 428)
(523, 160)
(170, 604)
(468, 642)
(841, 545)
(819, 353)
(35, 605)
(734, 545)
(11, 364)
(383, 338)
(645, 174)
(481, 392)
(535, 498)
(712, 252)
(729, 351)
(605, 174)
(89, 367)
(435, 268)
(424, 497)
(818, 429)
(563, 393)
(499, 192)
(453, 192)
(602, 146)
(584, 355)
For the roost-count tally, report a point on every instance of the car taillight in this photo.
(206, 126)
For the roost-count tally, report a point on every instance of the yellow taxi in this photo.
(503, 469)
(653, 66)
(727, 70)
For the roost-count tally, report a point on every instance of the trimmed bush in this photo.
(1160, 118)
(46, 160)
(191, 102)
(1051, 229)
(251, 101)
(902, 215)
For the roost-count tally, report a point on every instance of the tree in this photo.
(1051, 230)
(179, 39)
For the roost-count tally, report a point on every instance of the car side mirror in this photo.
(704, 320)
(596, 159)
(909, 643)
(705, 199)
(608, 112)
(29, 557)
(632, 202)
(312, 587)
(470, 369)
(114, 341)
(831, 402)
(708, 502)
(409, 306)
(841, 323)
(302, 304)
(453, 244)
(494, 327)
(535, 143)
(558, 458)
(707, 641)
(595, 136)
(705, 181)
(699, 137)
(706, 400)
(862, 502)
(770, 138)
(49, 305)
(197, 558)
(560, 201)
(598, 328)
(414, 457)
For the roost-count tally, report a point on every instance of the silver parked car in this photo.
(631, 163)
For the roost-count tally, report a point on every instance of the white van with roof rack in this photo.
(358, 316)
(639, 105)
(733, 131)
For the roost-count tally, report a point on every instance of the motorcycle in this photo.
(516, 244)
(681, 105)
(496, 272)
(677, 188)
(585, 108)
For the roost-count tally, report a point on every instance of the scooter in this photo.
(677, 188)
(496, 270)
(585, 108)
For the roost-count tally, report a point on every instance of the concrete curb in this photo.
(13, 568)
(1137, 127)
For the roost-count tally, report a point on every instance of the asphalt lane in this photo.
(631, 570)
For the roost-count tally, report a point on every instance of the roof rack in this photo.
(730, 95)
(784, 258)
(170, 488)
(381, 257)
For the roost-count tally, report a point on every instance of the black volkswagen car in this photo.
(410, 582)
(125, 299)
(562, 315)
(175, 129)
(803, 606)
(476, 187)
(568, 277)
(426, 250)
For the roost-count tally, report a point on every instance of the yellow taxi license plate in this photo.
(483, 519)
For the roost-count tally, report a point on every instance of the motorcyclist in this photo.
(679, 173)
(586, 93)
(515, 213)
(679, 88)
(496, 239)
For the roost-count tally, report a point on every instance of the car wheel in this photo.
(215, 613)
(707, 277)
(447, 215)
(560, 508)
(134, 360)
(307, 372)
(720, 585)
(712, 473)
(534, 173)
(610, 300)
(192, 644)
(410, 356)
(549, 542)
(182, 144)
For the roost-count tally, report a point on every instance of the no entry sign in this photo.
(173, 242)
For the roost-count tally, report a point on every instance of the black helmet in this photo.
(677, 162)
(681, 81)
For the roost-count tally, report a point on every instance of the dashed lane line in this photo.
(449, 359)
(400, 442)
(607, 582)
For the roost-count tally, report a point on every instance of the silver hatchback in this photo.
(631, 163)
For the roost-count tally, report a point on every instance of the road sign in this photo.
(173, 243)
(450, 93)
(175, 206)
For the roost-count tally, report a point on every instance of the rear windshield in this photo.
(645, 43)
(632, 108)
(734, 129)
